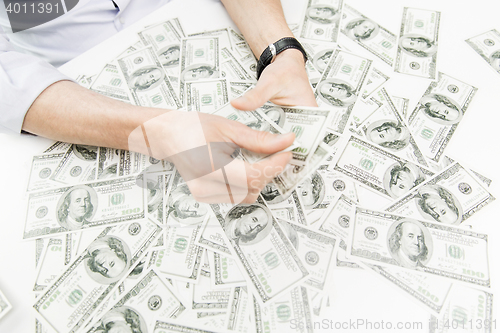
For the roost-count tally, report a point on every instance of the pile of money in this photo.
(122, 245)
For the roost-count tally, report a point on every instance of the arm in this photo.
(283, 82)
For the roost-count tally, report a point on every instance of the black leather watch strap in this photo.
(276, 48)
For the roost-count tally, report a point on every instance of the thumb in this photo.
(254, 98)
(261, 141)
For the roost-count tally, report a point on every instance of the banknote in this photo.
(206, 95)
(163, 326)
(438, 113)
(451, 197)
(156, 188)
(386, 128)
(166, 43)
(199, 60)
(184, 218)
(340, 86)
(78, 165)
(57, 254)
(320, 20)
(212, 236)
(147, 80)
(382, 238)
(291, 312)
(368, 34)
(42, 167)
(401, 105)
(110, 83)
(487, 45)
(225, 271)
(83, 206)
(375, 80)
(418, 43)
(5, 306)
(468, 310)
(231, 68)
(222, 34)
(319, 54)
(317, 250)
(151, 298)
(207, 299)
(308, 124)
(287, 207)
(261, 248)
(57, 147)
(238, 88)
(94, 274)
(320, 189)
(240, 314)
(293, 175)
(429, 291)
(379, 170)
(364, 108)
(339, 218)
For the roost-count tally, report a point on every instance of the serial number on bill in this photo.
(33, 8)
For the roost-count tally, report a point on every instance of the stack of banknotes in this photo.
(122, 245)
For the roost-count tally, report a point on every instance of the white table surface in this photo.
(356, 294)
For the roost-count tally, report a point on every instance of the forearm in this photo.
(262, 22)
(70, 113)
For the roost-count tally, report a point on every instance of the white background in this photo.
(356, 294)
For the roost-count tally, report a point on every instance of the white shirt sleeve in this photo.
(22, 78)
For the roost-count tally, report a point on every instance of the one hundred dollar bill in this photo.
(320, 20)
(487, 45)
(5, 306)
(291, 312)
(42, 168)
(266, 256)
(308, 124)
(379, 170)
(163, 326)
(212, 236)
(382, 238)
(151, 298)
(468, 310)
(240, 314)
(386, 128)
(78, 165)
(451, 197)
(293, 175)
(376, 79)
(110, 83)
(83, 206)
(71, 300)
(184, 216)
(225, 271)
(287, 207)
(147, 80)
(165, 40)
(322, 188)
(339, 218)
(207, 299)
(317, 251)
(429, 291)
(58, 253)
(199, 60)
(340, 86)
(206, 95)
(438, 113)
(231, 67)
(418, 43)
(222, 34)
(368, 34)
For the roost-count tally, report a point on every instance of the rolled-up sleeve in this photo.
(22, 78)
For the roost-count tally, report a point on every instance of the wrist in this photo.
(275, 49)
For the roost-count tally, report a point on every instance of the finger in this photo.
(255, 98)
(260, 141)
(261, 173)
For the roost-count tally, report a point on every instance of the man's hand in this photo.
(200, 145)
(283, 82)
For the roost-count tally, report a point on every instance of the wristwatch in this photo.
(270, 53)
